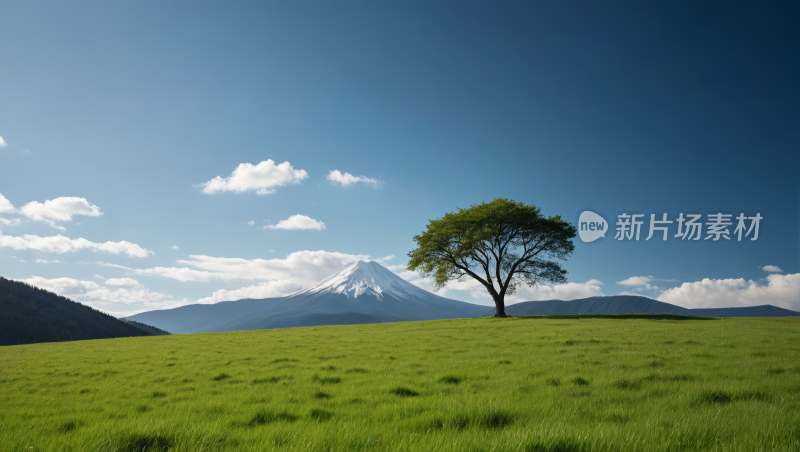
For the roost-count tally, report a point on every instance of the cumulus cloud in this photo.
(298, 222)
(261, 178)
(642, 281)
(772, 269)
(59, 209)
(267, 289)
(5, 205)
(345, 179)
(45, 261)
(302, 267)
(3, 143)
(635, 281)
(175, 247)
(781, 290)
(122, 282)
(12, 222)
(123, 290)
(251, 222)
(60, 244)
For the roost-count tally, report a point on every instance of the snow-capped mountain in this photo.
(362, 292)
(364, 278)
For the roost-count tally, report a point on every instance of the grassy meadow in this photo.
(517, 384)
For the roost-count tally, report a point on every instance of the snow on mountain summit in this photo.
(365, 278)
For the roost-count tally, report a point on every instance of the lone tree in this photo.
(500, 244)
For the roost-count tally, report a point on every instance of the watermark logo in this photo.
(591, 226)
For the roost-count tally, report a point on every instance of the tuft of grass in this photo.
(257, 381)
(715, 397)
(284, 360)
(221, 377)
(580, 381)
(268, 417)
(67, 427)
(321, 415)
(144, 443)
(331, 368)
(356, 370)
(158, 395)
(628, 384)
(557, 445)
(553, 381)
(142, 408)
(321, 395)
(450, 380)
(504, 361)
(775, 370)
(326, 380)
(495, 419)
(403, 392)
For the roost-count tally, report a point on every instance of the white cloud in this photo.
(346, 179)
(59, 209)
(298, 222)
(302, 267)
(781, 290)
(175, 247)
(122, 282)
(5, 205)
(25, 152)
(771, 269)
(60, 244)
(123, 290)
(635, 281)
(45, 261)
(267, 289)
(261, 178)
(642, 281)
(12, 222)
(251, 222)
(109, 265)
(3, 143)
(567, 291)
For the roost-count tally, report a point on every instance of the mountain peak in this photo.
(366, 278)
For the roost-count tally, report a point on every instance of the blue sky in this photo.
(119, 113)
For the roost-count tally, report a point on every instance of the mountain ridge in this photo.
(368, 292)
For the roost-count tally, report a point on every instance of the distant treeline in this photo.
(29, 315)
(149, 328)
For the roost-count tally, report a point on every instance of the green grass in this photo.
(518, 384)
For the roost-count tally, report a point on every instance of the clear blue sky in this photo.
(635, 107)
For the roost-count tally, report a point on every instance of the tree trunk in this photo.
(501, 307)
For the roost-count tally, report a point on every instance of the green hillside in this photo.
(29, 315)
(517, 384)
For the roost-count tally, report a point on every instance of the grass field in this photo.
(517, 384)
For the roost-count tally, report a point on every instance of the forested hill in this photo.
(29, 315)
(149, 328)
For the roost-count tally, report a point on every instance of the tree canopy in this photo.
(501, 244)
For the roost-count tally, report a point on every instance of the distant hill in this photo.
(150, 329)
(362, 292)
(29, 315)
(632, 304)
